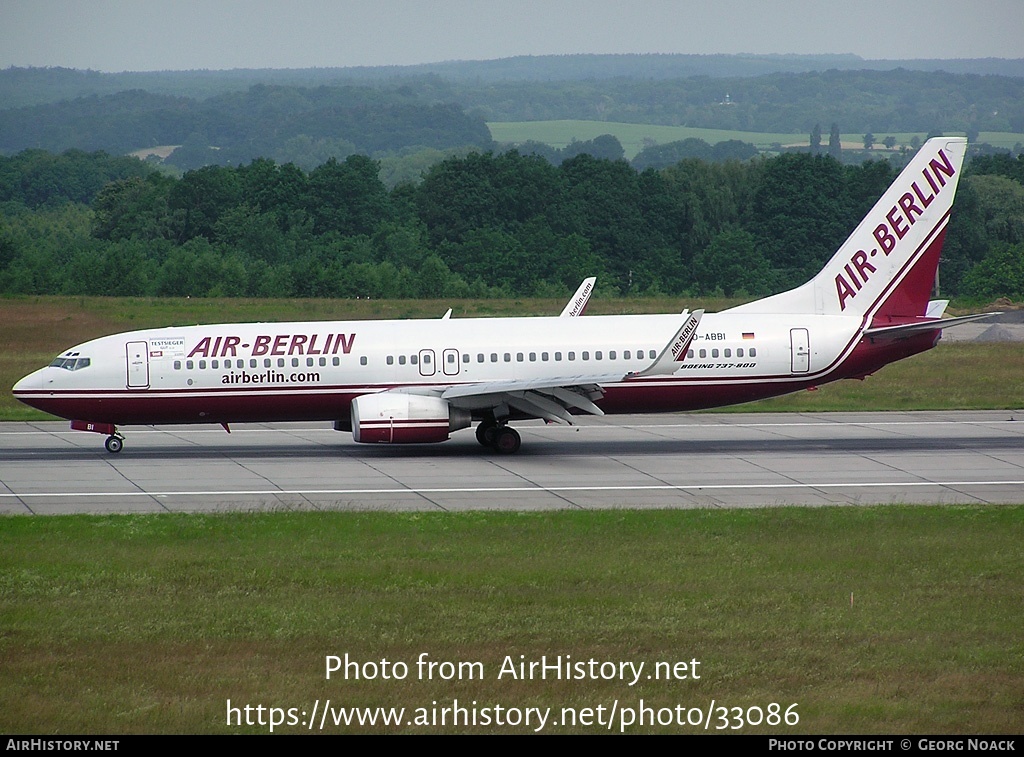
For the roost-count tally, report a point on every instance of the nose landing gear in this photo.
(114, 442)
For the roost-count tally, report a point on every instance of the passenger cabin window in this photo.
(390, 360)
(401, 359)
(362, 360)
(753, 352)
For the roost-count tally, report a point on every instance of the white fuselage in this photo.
(312, 370)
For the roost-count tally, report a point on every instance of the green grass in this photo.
(871, 620)
(560, 133)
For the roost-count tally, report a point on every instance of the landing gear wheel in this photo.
(113, 444)
(486, 433)
(507, 441)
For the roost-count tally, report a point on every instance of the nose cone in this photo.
(32, 383)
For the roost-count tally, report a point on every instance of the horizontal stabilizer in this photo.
(931, 324)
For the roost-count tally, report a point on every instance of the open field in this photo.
(869, 620)
(560, 133)
(960, 376)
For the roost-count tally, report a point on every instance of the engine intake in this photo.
(398, 418)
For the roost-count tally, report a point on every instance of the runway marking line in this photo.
(516, 489)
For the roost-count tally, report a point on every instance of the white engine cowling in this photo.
(398, 418)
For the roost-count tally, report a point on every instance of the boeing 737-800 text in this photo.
(420, 380)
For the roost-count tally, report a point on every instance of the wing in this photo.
(553, 398)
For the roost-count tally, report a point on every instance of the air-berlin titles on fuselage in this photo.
(900, 218)
(274, 345)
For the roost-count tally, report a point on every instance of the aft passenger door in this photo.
(800, 343)
(138, 364)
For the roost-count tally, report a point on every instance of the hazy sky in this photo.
(145, 35)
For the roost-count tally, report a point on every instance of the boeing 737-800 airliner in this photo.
(420, 380)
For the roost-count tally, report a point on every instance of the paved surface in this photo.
(748, 460)
(1006, 327)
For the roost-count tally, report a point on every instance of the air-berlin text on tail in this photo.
(898, 220)
(274, 345)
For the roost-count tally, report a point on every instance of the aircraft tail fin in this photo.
(886, 268)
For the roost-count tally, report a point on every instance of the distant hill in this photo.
(33, 86)
(292, 124)
(306, 116)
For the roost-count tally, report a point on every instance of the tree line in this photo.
(482, 224)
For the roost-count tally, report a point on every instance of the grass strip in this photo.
(873, 620)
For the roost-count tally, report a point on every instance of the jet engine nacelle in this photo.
(398, 418)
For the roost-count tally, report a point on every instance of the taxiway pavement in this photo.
(668, 461)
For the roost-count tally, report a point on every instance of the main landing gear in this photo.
(498, 436)
(114, 444)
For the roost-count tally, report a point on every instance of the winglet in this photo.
(578, 302)
(674, 352)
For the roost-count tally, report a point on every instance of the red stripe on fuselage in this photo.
(266, 404)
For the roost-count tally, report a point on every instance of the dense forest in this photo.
(481, 224)
(386, 182)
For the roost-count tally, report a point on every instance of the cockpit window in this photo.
(70, 363)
